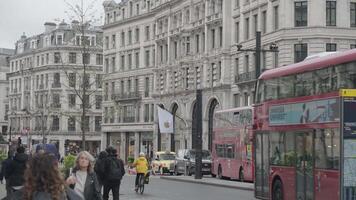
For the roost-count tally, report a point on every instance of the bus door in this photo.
(304, 166)
(261, 165)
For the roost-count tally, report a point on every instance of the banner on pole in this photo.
(165, 120)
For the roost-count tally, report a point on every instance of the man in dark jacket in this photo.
(4, 166)
(115, 171)
(99, 167)
(16, 169)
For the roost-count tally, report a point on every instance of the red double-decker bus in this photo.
(232, 153)
(297, 128)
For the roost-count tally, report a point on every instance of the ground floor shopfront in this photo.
(65, 143)
(130, 144)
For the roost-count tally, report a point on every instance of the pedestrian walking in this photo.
(83, 179)
(16, 169)
(4, 166)
(115, 171)
(43, 181)
(99, 168)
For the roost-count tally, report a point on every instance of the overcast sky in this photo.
(18, 16)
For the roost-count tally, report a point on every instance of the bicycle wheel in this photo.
(141, 184)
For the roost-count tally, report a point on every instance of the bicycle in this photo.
(142, 180)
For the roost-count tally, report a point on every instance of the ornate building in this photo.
(5, 55)
(173, 47)
(46, 80)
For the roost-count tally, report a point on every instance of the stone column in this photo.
(137, 144)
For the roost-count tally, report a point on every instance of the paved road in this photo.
(160, 189)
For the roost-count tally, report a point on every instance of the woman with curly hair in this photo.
(83, 179)
(43, 181)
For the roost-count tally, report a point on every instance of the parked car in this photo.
(163, 162)
(185, 162)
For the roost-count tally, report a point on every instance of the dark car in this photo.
(185, 162)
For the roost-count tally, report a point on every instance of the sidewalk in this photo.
(212, 181)
(2, 190)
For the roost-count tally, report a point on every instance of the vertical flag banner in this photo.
(165, 120)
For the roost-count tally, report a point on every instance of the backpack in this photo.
(114, 172)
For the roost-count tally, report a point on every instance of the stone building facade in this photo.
(5, 55)
(46, 79)
(187, 45)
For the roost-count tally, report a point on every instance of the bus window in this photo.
(327, 148)
(271, 91)
(286, 87)
(276, 143)
(322, 80)
(303, 84)
(346, 75)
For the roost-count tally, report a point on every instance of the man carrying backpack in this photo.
(115, 171)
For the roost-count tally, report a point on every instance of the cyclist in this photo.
(141, 165)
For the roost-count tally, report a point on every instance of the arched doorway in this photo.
(194, 124)
(213, 105)
(174, 112)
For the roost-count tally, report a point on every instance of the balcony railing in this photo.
(128, 119)
(127, 96)
(56, 105)
(245, 77)
(56, 85)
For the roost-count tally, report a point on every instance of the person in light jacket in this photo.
(83, 179)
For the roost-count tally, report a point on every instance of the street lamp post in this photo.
(272, 48)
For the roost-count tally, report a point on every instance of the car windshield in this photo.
(206, 154)
(167, 157)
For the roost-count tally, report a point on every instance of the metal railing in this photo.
(127, 96)
(56, 85)
(244, 77)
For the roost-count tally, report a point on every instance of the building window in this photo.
(247, 28)
(86, 58)
(147, 58)
(72, 79)
(137, 35)
(72, 58)
(99, 81)
(57, 58)
(122, 62)
(236, 100)
(331, 13)
(130, 61)
(86, 81)
(86, 123)
(137, 63)
(353, 14)
(220, 36)
(300, 52)
(301, 13)
(98, 101)
(147, 86)
(71, 100)
(55, 123)
(130, 37)
(55, 101)
(113, 63)
(71, 124)
(98, 123)
(147, 33)
(99, 59)
(255, 24)
(113, 37)
(247, 64)
(146, 112)
(330, 47)
(106, 42)
(213, 38)
(237, 32)
(122, 38)
(264, 22)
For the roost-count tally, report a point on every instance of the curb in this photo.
(207, 183)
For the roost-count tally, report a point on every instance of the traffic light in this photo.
(19, 141)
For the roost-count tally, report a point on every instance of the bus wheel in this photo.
(277, 191)
(220, 172)
(241, 175)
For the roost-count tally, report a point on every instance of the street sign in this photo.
(348, 144)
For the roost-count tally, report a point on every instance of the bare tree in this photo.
(84, 17)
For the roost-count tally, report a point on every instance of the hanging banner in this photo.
(165, 120)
